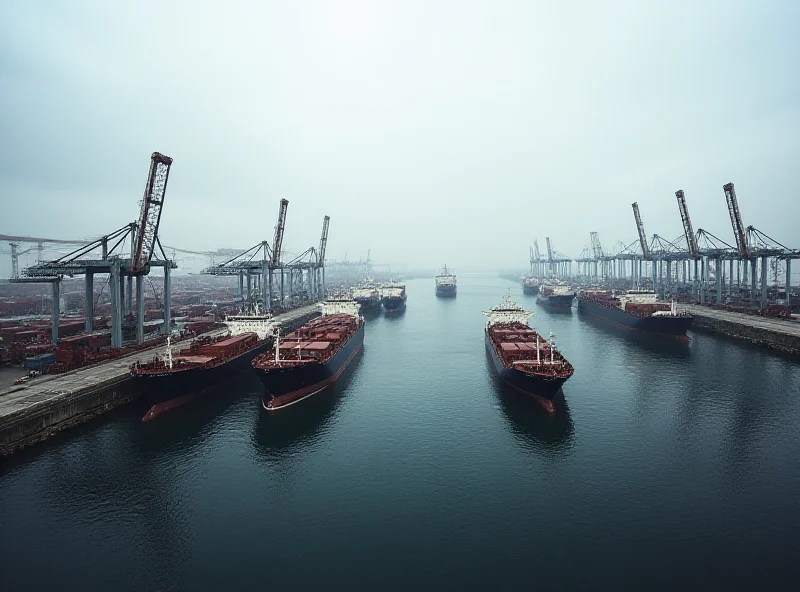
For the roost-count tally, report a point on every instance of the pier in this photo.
(33, 411)
(779, 334)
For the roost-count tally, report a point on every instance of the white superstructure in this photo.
(256, 322)
(340, 306)
(445, 278)
(507, 311)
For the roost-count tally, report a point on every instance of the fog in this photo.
(430, 132)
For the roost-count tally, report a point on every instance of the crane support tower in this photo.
(736, 220)
(323, 244)
(691, 241)
(152, 203)
(596, 247)
(640, 229)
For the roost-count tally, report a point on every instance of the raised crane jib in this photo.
(536, 249)
(277, 243)
(691, 240)
(323, 241)
(596, 247)
(736, 220)
(640, 229)
(549, 249)
(152, 204)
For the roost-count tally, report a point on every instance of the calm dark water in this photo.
(666, 465)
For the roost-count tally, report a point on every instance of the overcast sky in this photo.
(430, 131)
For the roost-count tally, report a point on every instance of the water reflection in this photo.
(391, 315)
(371, 313)
(282, 433)
(197, 420)
(550, 435)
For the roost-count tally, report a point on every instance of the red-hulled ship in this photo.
(312, 357)
(175, 379)
(521, 357)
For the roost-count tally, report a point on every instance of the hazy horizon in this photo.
(430, 133)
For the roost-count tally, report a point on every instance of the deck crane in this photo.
(152, 204)
(640, 228)
(691, 240)
(736, 221)
(277, 241)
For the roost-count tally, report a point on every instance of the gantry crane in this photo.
(736, 221)
(691, 240)
(152, 204)
(277, 242)
(323, 243)
(640, 229)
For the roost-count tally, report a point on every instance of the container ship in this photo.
(556, 297)
(530, 286)
(312, 357)
(637, 309)
(174, 379)
(445, 283)
(367, 295)
(521, 357)
(394, 297)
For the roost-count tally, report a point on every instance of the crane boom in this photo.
(640, 228)
(596, 247)
(549, 249)
(152, 204)
(323, 241)
(691, 241)
(736, 220)
(278, 240)
(536, 249)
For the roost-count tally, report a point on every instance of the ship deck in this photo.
(45, 401)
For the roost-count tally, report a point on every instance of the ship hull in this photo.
(560, 302)
(446, 291)
(368, 304)
(393, 304)
(286, 386)
(675, 327)
(542, 389)
(530, 290)
(166, 390)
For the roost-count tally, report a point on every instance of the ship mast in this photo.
(169, 352)
(277, 344)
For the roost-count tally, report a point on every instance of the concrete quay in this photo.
(35, 410)
(779, 334)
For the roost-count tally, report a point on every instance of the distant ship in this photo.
(394, 296)
(637, 309)
(174, 379)
(312, 357)
(521, 357)
(445, 283)
(367, 295)
(530, 286)
(556, 295)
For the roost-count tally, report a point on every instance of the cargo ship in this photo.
(445, 283)
(394, 297)
(307, 360)
(556, 296)
(521, 357)
(637, 309)
(174, 379)
(530, 286)
(367, 295)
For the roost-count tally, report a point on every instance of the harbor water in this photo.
(665, 465)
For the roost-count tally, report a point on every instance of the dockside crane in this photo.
(549, 254)
(691, 240)
(277, 241)
(150, 217)
(596, 247)
(640, 229)
(323, 243)
(736, 221)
